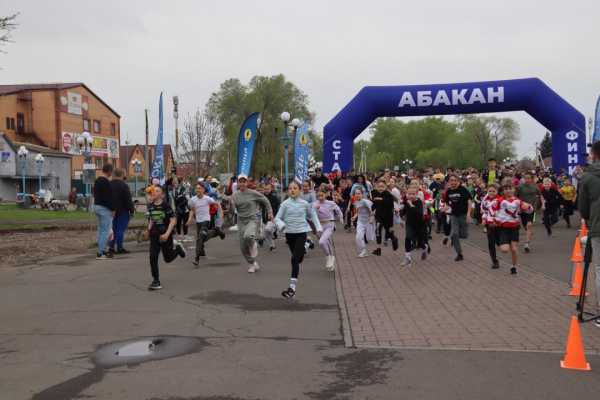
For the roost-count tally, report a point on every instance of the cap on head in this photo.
(242, 176)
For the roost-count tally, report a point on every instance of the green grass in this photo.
(12, 213)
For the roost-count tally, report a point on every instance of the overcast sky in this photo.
(128, 51)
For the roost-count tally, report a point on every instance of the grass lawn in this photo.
(12, 213)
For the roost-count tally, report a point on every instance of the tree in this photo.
(269, 95)
(202, 135)
(495, 137)
(546, 146)
(7, 25)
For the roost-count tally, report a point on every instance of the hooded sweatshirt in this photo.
(589, 198)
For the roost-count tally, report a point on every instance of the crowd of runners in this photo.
(503, 202)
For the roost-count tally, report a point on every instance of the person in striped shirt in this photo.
(488, 207)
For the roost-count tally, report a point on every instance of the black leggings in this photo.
(182, 221)
(295, 242)
(389, 233)
(415, 239)
(492, 238)
(156, 246)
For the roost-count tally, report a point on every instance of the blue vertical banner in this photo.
(158, 166)
(301, 153)
(596, 136)
(246, 142)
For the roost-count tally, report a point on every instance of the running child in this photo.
(551, 201)
(292, 216)
(383, 205)
(364, 225)
(200, 214)
(328, 212)
(416, 226)
(489, 205)
(508, 220)
(161, 222)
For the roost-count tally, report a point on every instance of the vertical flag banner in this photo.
(158, 166)
(596, 136)
(246, 142)
(301, 153)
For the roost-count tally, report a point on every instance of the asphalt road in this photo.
(248, 343)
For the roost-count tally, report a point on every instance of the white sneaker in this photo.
(329, 263)
(407, 262)
(253, 268)
(363, 254)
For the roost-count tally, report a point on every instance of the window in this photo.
(99, 163)
(86, 125)
(20, 123)
(12, 124)
(96, 126)
(113, 129)
(7, 123)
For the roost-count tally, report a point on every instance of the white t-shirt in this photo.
(201, 207)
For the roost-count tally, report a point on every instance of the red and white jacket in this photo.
(488, 209)
(508, 212)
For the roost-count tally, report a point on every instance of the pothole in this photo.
(137, 351)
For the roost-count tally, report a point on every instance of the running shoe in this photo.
(376, 252)
(597, 322)
(394, 243)
(155, 285)
(424, 255)
(513, 270)
(526, 248)
(445, 241)
(288, 293)
(407, 262)
(180, 249)
(102, 256)
(220, 233)
(496, 265)
(363, 254)
(459, 258)
(253, 267)
(122, 251)
(196, 262)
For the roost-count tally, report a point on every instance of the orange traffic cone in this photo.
(584, 230)
(574, 353)
(577, 280)
(577, 255)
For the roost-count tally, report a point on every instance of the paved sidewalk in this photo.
(442, 304)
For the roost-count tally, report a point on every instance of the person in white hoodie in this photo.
(292, 216)
(365, 229)
(327, 211)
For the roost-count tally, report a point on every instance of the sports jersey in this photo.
(160, 215)
(201, 207)
(488, 209)
(508, 212)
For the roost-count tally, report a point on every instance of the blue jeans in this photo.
(119, 226)
(104, 217)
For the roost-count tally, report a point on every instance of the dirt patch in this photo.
(254, 302)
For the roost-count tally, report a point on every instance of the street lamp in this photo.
(507, 160)
(406, 163)
(39, 162)
(84, 142)
(22, 152)
(286, 139)
(137, 170)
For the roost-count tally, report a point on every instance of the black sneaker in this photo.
(376, 252)
(196, 262)
(527, 249)
(424, 255)
(261, 243)
(110, 254)
(201, 253)
(513, 270)
(155, 285)
(459, 257)
(496, 265)
(122, 251)
(311, 245)
(220, 233)
(288, 293)
(101, 256)
(180, 250)
(445, 241)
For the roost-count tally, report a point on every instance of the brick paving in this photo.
(442, 304)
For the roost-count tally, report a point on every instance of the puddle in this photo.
(134, 352)
(254, 302)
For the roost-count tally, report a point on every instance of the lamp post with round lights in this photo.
(39, 162)
(22, 153)
(407, 164)
(286, 139)
(137, 170)
(84, 142)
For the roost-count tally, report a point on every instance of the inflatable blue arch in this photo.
(531, 95)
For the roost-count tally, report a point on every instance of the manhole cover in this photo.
(137, 351)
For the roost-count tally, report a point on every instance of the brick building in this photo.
(138, 151)
(54, 115)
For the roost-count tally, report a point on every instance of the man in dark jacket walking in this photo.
(103, 208)
(123, 208)
(589, 207)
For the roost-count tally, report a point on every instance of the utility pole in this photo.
(176, 117)
(146, 155)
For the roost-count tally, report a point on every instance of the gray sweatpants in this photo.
(596, 263)
(459, 229)
(247, 231)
